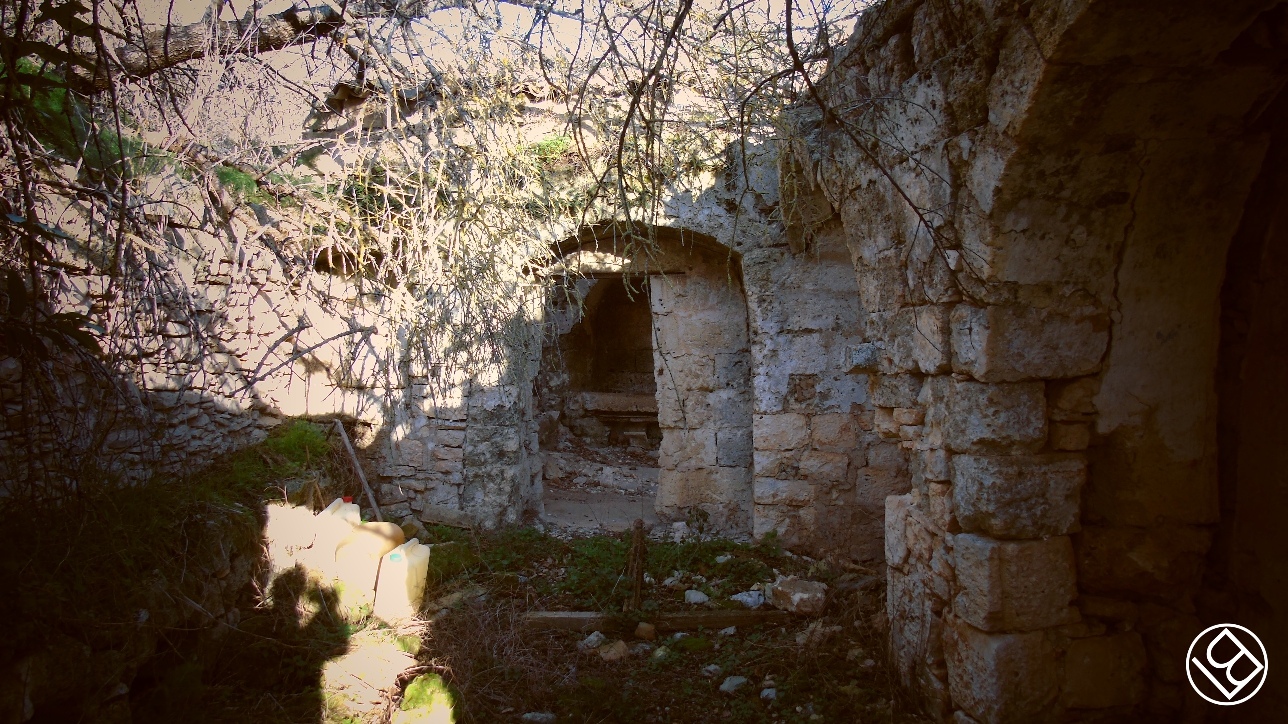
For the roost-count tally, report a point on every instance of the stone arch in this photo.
(700, 359)
(1092, 162)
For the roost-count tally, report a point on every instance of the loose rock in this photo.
(593, 641)
(615, 651)
(646, 631)
(729, 631)
(769, 694)
(797, 595)
(539, 717)
(695, 596)
(732, 684)
(750, 599)
(711, 670)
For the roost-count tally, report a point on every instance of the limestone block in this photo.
(732, 369)
(1074, 400)
(688, 449)
(785, 431)
(895, 390)
(916, 631)
(733, 447)
(1009, 344)
(1105, 671)
(829, 467)
(985, 418)
(909, 415)
(776, 463)
(1018, 496)
(935, 465)
(919, 339)
(897, 508)
(883, 422)
(1070, 436)
(1014, 585)
(449, 453)
(939, 507)
(773, 491)
(396, 511)
(1001, 678)
(390, 493)
(834, 432)
(450, 438)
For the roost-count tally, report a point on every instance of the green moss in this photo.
(428, 694)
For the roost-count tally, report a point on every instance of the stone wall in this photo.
(822, 471)
(702, 367)
(1038, 199)
(236, 337)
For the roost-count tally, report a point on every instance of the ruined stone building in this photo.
(1008, 318)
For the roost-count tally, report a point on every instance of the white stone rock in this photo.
(593, 641)
(768, 694)
(732, 684)
(750, 599)
(711, 671)
(695, 596)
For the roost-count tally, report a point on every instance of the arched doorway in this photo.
(647, 360)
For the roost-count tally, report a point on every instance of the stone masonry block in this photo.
(688, 449)
(825, 466)
(1014, 585)
(1011, 678)
(786, 431)
(1105, 671)
(896, 523)
(1018, 496)
(776, 463)
(733, 447)
(772, 491)
(1008, 344)
(895, 390)
(935, 465)
(834, 432)
(919, 339)
(984, 418)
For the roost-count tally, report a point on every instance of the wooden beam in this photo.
(675, 621)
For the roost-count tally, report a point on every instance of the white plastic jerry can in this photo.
(357, 560)
(331, 526)
(401, 585)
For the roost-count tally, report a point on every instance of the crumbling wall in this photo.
(1038, 199)
(245, 339)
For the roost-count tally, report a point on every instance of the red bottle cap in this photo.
(347, 498)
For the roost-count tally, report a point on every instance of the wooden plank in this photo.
(674, 621)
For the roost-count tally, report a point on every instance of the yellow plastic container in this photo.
(401, 585)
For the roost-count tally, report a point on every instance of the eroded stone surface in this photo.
(1018, 496)
(1014, 585)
